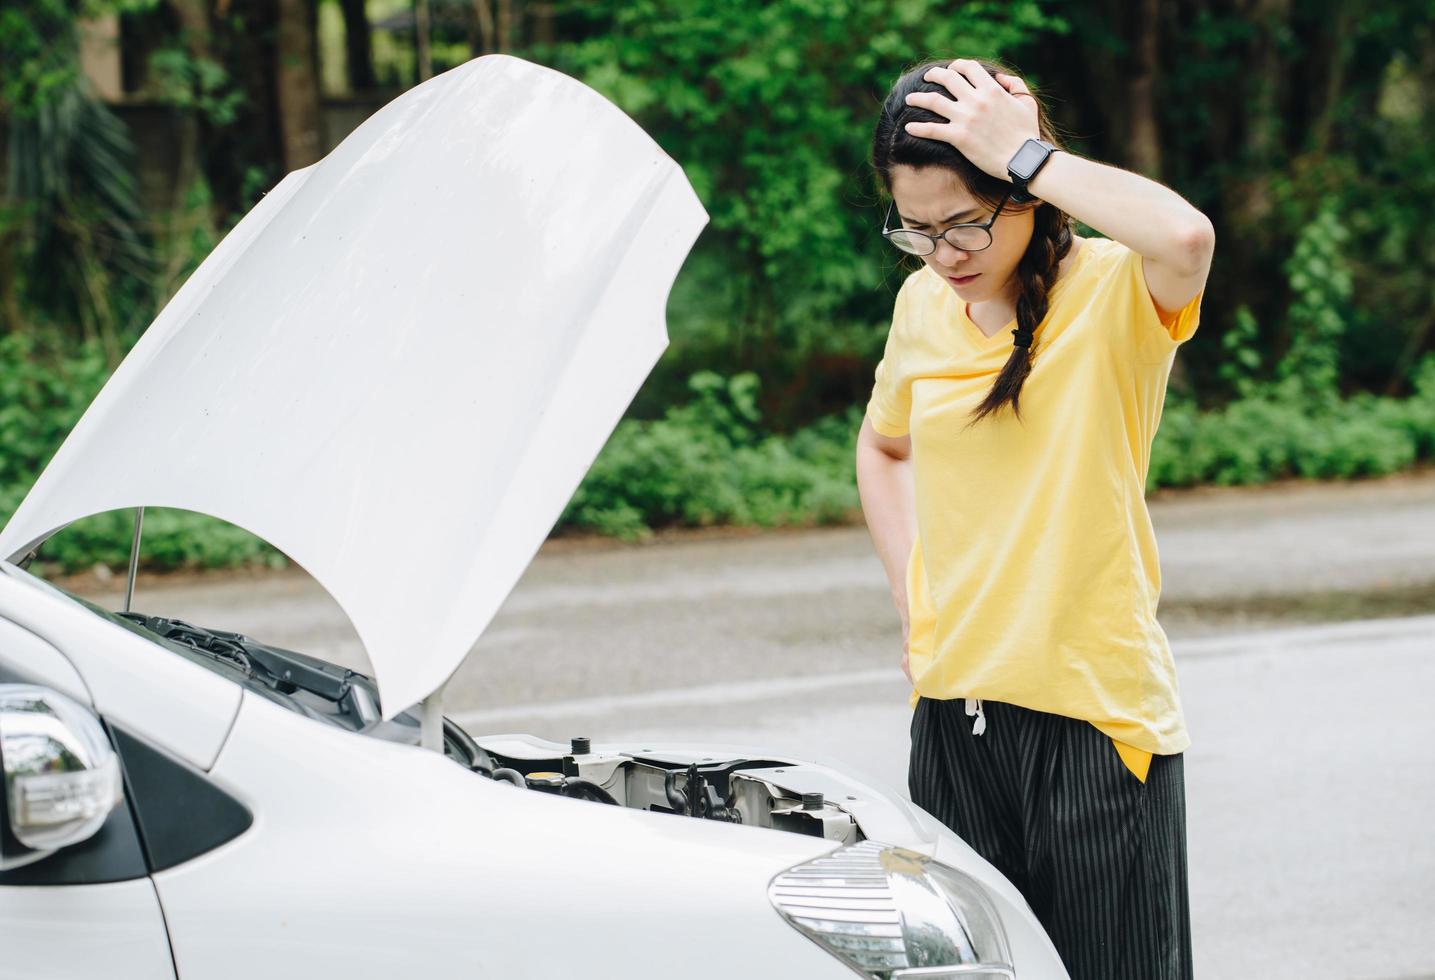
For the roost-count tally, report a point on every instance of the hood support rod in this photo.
(431, 720)
(134, 558)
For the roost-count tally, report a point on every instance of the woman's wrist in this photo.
(900, 601)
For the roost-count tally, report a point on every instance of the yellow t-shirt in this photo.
(1034, 577)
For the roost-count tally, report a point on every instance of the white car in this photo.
(396, 369)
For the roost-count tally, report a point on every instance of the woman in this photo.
(1002, 466)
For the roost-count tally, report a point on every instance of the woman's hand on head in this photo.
(988, 118)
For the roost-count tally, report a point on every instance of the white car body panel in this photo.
(129, 679)
(368, 859)
(882, 814)
(77, 932)
(25, 653)
(397, 368)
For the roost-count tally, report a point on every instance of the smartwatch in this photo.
(1024, 165)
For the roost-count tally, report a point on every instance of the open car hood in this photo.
(398, 366)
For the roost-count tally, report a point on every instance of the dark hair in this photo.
(1050, 238)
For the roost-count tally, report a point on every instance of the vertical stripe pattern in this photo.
(1099, 855)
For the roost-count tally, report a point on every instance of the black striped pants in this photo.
(1099, 855)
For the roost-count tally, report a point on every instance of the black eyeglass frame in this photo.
(986, 227)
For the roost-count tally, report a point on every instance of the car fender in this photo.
(128, 679)
(368, 858)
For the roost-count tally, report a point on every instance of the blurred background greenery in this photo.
(136, 132)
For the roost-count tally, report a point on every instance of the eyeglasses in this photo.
(967, 237)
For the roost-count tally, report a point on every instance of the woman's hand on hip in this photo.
(906, 632)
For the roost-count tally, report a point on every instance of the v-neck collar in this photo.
(1003, 336)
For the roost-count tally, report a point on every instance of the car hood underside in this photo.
(398, 366)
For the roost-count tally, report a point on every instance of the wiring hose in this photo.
(579, 788)
(510, 776)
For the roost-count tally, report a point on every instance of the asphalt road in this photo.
(589, 621)
(1310, 781)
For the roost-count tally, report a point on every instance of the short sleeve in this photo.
(890, 407)
(1154, 331)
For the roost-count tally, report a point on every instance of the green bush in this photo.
(43, 393)
(1418, 418)
(705, 463)
(45, 386)
(1274, 431)
(708, 461)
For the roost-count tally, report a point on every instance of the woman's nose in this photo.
(948, 254)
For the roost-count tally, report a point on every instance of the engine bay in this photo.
(754, 792)
(730, 788)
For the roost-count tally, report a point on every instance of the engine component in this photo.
(545, 782)
(756, 792)
(513, 776)
(698, 797)
(584, 789)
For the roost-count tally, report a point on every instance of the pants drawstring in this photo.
(974, 708)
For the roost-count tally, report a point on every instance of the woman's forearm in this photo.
(989, 118)
(1145, 216)
(884, 484)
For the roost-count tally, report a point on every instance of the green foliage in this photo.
(196, 83)
(185, 240)
(43, 393)
(37, 50)
(69, 227)
(1296, 424)
(705, 462)
(172, 539)
(45, 386)
(1273, 432)
(1241, 366)
(709, 461)
(1320, 287)
(770, 108)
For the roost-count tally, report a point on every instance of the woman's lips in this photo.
(963, 280)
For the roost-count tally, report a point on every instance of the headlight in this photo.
(891, 913)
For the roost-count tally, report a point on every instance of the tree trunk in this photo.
(297, 85)
(505, 25)
(487, 30)
(543, 22)
(422, 39)
(1264, 128)
(358, 46)
(193, 17)
(1144, 138)
(183, 221)
(1104, 75)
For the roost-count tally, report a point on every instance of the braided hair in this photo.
(1051, 236)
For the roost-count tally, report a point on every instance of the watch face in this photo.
(1027, 158)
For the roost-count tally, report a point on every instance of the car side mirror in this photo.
(61, 777)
